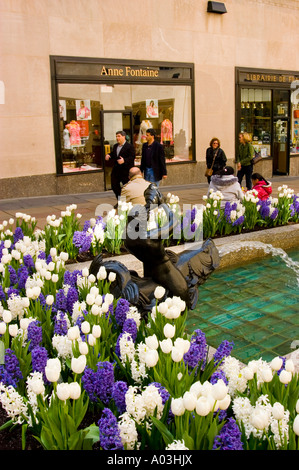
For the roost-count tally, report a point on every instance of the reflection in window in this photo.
(167, 109)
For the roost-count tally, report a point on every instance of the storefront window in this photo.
(85, 135)
(294, 144)
(256, 118)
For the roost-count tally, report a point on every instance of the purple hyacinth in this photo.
(34, 332)
(229, 437)
(121, 311)
(39, 357)
(61, 301)
(131, 328)
(119, 391)
(71, 297)
(10, 373)
(18, 235)
(197, 351)
(109, 431)
(217, 375)
(223, 351)
(60, 324)
(42, 255)
(22, 277)
(99, 384)
(12, 276)
(29, 263)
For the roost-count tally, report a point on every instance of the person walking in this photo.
(153, 164)
(244, 159)
(215, 157)
(123, 156)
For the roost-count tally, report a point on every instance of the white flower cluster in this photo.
(285, 191)
(262, 418)
(140, 404)
(177, 445)
(13, 403)
(203, 398)
(251, 196)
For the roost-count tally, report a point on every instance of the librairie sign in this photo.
(267, 77)
(129, 71)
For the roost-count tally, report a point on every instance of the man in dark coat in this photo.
(153, 163)
(123, 156)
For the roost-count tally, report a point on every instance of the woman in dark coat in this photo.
(220, 159)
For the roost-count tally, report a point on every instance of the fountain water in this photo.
(266, 247)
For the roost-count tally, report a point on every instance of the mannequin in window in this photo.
(74, 129)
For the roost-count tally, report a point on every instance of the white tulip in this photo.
(90, 299)
(267, 374)
(78, 364)
(91, 340)
(75, 390)
(166, 345)
(85, 272)
(276, 363)
(53, 252)
(297, 406)
(7, 316)
(91, 278)
(109, 298)
(289, 365)
(13, 330)
(278, 410)
(73, 333)
(83, 348)
(55, 278)
(151, 358)
(102, 273)
(189, 401)
(296, 425)
(24, 323)
(248, 373)
(63, 391)
(225, 402)
(177, 354)
(2, 328)
(169, 330)
(203, 406)
(111, 276)
(152, 342)
(259, 419)
(219, 390)
(177, 406)
(85, 327)
(53, 369)
(196, 388)
(285, 376)
(95, 310)
(159, 292)
(163, 308)
(50, 299)
(96, 331)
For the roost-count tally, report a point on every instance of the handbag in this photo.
(257, 157)
(209, 171)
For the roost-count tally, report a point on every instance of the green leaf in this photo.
(166, 434)
(189, 442)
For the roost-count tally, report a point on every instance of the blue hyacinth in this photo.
(109, 431)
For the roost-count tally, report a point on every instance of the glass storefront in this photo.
(120, 97)
(266, 111)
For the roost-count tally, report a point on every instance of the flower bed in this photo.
(80, 369)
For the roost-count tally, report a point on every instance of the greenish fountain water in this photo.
(255, 305)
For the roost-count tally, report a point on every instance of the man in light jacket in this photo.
(133, 191)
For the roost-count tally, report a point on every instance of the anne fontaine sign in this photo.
(129, 71)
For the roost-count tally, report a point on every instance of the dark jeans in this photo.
(247, 172)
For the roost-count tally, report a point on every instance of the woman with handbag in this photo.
(245, 159)
(215, 158)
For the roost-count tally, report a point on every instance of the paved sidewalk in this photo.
(41, 207)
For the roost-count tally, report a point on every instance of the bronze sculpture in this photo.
(180, 274)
